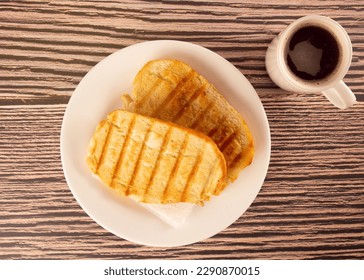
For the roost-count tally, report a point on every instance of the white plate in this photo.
(99, 93)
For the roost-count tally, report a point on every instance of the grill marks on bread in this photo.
(155, 161)
(204, 144)
(171, 90)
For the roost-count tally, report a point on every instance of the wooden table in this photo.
(311, 205)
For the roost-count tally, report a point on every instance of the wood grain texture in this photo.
(311, 205)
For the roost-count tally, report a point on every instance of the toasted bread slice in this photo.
(155, 161)
(171, 90)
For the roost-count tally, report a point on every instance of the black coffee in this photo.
(313, 53)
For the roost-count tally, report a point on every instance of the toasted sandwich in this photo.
(155, 161)
(171, 90)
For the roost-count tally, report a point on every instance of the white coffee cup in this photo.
(331, 86)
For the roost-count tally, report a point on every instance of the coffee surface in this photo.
(313, 53)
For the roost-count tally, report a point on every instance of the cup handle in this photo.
(340, 95)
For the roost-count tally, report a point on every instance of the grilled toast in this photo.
(155, 161)
(171, 90)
